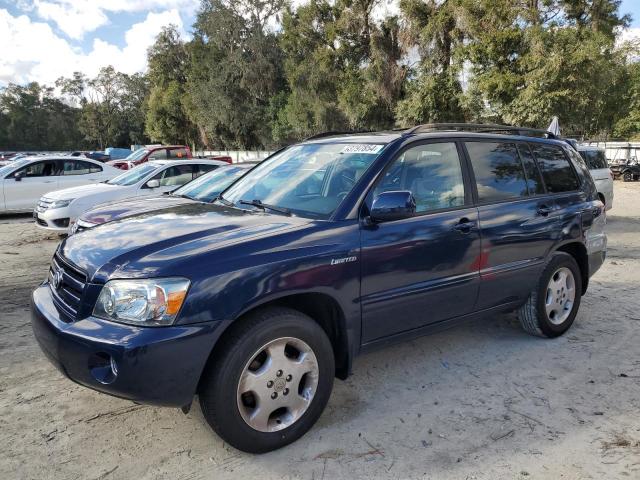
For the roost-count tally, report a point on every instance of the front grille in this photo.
(69, 286)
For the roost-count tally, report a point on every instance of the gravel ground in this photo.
(481, 401)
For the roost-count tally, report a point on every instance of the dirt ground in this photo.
(481, 401)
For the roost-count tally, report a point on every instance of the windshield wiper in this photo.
(265, 206)
(226, 202)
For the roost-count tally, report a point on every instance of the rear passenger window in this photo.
(175, 176)
(534, 180)
(78, 167)
(498, 170)
(432, 173)
(201, 169)
(177, 153)
(556, 170)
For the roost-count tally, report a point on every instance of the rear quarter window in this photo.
(557, 172)
(498, 171)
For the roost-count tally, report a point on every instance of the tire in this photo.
(255, 400)
(534, 316)
(627, 177)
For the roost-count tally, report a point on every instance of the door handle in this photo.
(544, 211)
(464, 225)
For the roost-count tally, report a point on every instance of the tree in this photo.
(629, 125)
(434, 90)
(343, 69)
(31, 118)
(167, 119)
(112, 106)
(235, 72)
(532, 60)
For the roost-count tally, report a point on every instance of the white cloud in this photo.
(629, 34)
(74, 19)
(77, 17)
(32, 51)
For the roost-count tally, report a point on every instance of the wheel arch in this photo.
(320, 307)
(579, 252)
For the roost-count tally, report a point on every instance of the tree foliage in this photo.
(167, 118)
(111, 106)
(343, 69)
(32, 118)
(236, 70)
(263, 73)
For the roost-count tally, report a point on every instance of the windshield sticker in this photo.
(362, 148)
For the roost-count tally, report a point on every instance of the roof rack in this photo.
(332, 133)
(480, 128)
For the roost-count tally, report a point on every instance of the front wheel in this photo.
(627, 177)
(270, 381)
(553, 304)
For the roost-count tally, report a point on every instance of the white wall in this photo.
(238, 156)
(618, 151)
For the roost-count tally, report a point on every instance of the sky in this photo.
(41, 40)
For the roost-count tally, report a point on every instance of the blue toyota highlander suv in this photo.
(330, 248)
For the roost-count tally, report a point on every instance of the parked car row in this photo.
(255, 295)
(58, 210)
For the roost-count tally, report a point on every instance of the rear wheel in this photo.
(627, 177)
(270, 382)
(552, 306)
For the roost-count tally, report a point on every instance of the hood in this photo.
(108, 212)
(150, 243)
(83, 191)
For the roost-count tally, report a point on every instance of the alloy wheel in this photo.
(561, 295)
(277, 384)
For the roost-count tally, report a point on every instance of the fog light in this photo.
(103, 367)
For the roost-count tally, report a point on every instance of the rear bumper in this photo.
(596, 243)
(155, 366)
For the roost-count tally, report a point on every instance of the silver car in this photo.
(599, 168)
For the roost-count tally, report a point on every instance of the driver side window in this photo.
(431, 172)
(46, 168)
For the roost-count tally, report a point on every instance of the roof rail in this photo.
(480, 128)
(332, 133)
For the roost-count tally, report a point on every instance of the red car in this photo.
(152, 152)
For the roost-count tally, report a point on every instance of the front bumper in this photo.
(151, 365)
(56, 220)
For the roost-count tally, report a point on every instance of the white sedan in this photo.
(24, 181)
(58, 210)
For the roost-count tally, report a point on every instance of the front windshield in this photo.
(207, 187)
(137, 155)
(309, 180)
(12, 166)
(133, 176)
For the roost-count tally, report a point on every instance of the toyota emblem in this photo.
(56, 280)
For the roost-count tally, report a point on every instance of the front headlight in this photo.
(61, 203)
(150, 302)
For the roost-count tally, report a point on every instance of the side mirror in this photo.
(18, 176)
(153, 183)
(389, 206)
